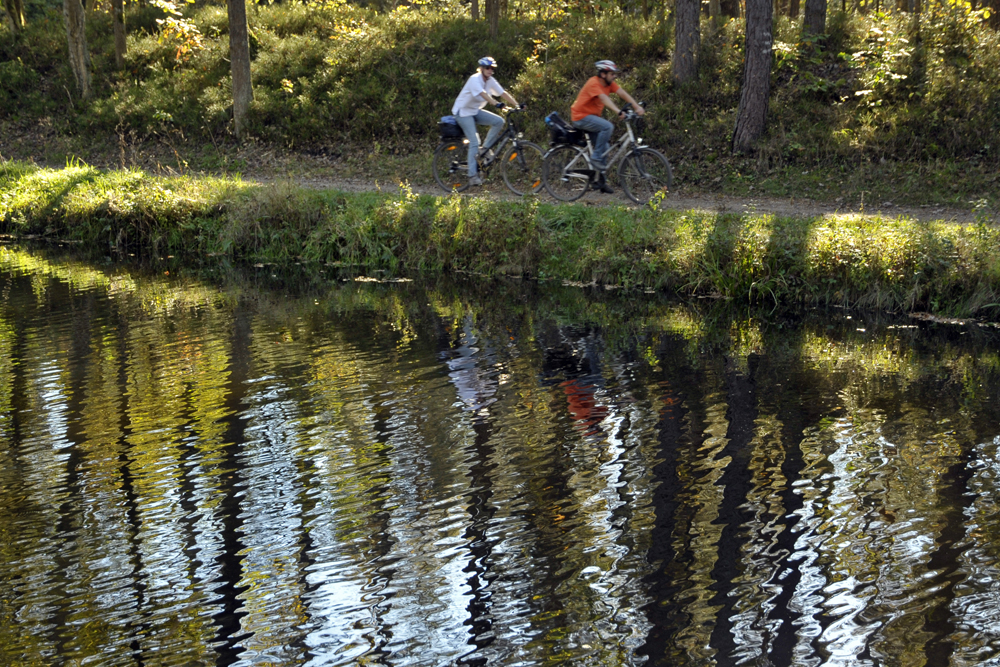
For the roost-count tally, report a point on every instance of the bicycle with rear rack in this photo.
(568, 171)
(520, 161)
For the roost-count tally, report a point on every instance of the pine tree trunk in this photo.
(687, 17)
(714, 13)
(118, 20)
(493, 16)
(15, 11)
(475, 10)
(814, 22)
(79, 56)
(793, 9)
(751, 115)
(239, 61)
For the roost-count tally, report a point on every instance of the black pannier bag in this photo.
(562, 132)
(449, 128)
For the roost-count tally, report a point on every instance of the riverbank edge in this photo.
(895, 264)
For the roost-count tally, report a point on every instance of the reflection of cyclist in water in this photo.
(573, 363)
(586, 113)
(468, 110)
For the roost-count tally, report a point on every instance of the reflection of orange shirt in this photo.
(587, 102)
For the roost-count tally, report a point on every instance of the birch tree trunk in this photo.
(15, 11)
(814, 22)
(751, 115)
(79, 56)
(118, 20)
(687, 30)
(239, 62)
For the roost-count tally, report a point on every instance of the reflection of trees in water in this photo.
(398, 471)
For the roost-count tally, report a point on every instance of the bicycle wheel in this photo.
(521, 167)
(450, 162)
(645, 175)
(566, 173)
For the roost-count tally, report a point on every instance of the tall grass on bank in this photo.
(892, 264)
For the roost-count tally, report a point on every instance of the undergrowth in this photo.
(879, 90)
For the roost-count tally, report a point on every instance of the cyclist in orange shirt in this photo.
(586, 113)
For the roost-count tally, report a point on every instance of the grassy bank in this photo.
(893, 264)
(880, 109)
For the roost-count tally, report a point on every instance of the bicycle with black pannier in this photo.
(567, 171)
(520, 160)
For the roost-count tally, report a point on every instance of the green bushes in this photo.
(876, 87)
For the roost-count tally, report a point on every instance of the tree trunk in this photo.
(995, 14)
(493, 16)
(752, 112)
(687, 37)
(239, 61)
(15, 10)
(793, 9)
(79, 56)
(118, 20)
(814, 22)
(730, 8)
(475, 10)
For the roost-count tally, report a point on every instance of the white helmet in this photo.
(606, 66)
(488, 61)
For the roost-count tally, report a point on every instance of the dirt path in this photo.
(683, 200)
(268, 164)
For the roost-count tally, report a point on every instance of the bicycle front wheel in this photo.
(521, 168)
(646, 175)
(450, 165)
(566, 173)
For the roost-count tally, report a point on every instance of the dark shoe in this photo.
(601, 185)
(475, 180)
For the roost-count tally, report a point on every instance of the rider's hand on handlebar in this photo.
(499, 105)
(522, 105)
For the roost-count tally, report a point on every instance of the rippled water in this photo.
(264, 470)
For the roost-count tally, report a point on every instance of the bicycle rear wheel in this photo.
(646, 175)
(450, 165)
(521, 167)
(566, 173)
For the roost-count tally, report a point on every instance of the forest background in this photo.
(853, 100)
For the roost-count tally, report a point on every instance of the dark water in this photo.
(260, 471)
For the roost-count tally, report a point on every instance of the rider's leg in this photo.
(495, 122)
(468, 125)
(603, 129)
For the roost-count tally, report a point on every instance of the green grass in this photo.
(872, 262)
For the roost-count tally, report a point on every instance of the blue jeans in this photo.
(603, 129)
(468, 125)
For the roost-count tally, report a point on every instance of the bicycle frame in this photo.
(510, 132)
(618, 150)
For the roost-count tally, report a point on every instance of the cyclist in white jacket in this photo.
(477, 92)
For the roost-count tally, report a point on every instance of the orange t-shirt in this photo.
(587, 102)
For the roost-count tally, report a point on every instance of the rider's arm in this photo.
(628, 98)
(608, 103)
(509, 99)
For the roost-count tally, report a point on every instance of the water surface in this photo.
(308, 470)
